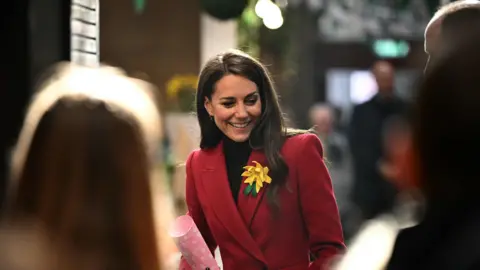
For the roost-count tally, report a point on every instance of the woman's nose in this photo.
(241, 111)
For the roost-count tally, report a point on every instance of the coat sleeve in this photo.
(319, 207)
(195, 211)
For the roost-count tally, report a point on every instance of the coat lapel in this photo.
(215, 184)
(248, 204)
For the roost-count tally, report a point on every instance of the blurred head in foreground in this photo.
(451, 24)
(82, 166)
(446, 125)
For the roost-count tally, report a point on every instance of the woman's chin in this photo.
(239, 137)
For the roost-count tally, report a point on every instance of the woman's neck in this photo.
(231, 144)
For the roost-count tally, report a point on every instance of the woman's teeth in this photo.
(240, 125)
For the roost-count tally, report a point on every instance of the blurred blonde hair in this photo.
(122, 94)
(23, 246)
(82, 167)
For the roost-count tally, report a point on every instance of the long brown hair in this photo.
(269, 134)
(82, 169)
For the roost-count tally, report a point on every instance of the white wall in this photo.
(216, 36)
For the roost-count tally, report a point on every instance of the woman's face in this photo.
(235, 106)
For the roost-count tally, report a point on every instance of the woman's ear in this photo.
(208, 106)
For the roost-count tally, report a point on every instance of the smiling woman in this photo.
(235, 106)
(247, 153)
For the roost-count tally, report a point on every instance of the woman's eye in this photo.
(251, 101)
(228, 104)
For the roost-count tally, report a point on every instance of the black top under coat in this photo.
(236, 157)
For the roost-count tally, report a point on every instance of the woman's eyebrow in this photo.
(252, 94)
(247, 96)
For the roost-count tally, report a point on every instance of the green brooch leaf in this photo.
(254, 191)
(248, 189)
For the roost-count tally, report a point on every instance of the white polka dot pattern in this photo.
(195, 250)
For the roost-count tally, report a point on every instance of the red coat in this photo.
(249, 236)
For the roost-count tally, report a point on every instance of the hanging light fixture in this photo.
(270, 13)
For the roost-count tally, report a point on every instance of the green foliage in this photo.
(249, 30)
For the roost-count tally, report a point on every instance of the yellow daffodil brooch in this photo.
(256, 176)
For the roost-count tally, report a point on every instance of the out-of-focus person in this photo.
(82, 169)
(371, 246)
(453, 24)
(371, 193)
(336, 153)
(452, 39)
(452, 27)
(446, 132)
(396, 140)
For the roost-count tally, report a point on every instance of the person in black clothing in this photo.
(446, 145)
(371, 193)
(446, 132)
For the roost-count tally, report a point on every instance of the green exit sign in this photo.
(389, 48)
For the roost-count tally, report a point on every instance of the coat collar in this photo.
(236, 219)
